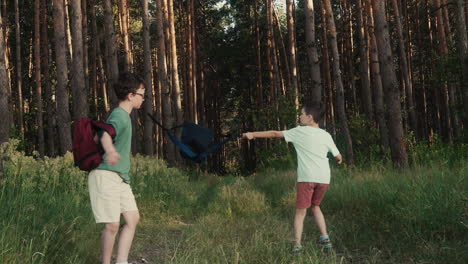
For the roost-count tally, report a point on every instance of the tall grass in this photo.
(374, 214)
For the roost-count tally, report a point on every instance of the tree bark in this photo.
(48, 90)
(123, 10)
(37, 76)
(148, 104)
(79, 92)
(463, 53)
(376, 80)
(364, 65)
(63, 111)
(111, 55)
(390, 82)
(292, 51)
(174, 66)
(314, 63)
(405, 68)
(340, 102)
(168, 120)
(4, 93)
(19, 78)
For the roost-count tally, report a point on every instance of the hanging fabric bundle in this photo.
(196, 142)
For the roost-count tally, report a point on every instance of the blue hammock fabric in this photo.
(196, 142)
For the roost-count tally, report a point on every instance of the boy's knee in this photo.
(112, 227)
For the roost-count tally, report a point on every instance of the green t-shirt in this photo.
(120, 120)
(312, 145)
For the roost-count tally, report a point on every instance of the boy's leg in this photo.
(126, 235)
(299, 224)
(107, 241)
(319, 220)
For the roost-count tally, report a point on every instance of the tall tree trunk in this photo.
(123, 10)
(19, 75)
(48, 90)
(112, 62)
(63, 111)
(292, 50)
(4, 93)
(259, 84)
(392, 91)
(84, 23)
(93, 57)
(148, 104)
(79, 92)
(376, 79)
(314, 63)
(271, 76)
(463, 53)
(194, 61)
(174, 66)
(168, 120)
(405, 68)
(37, 76)
(68, 32)
(364, 65)
(340, 102)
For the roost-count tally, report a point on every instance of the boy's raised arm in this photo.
(112, 156)
(263, 134)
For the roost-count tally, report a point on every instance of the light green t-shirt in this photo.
(120, 120)
(312, 146)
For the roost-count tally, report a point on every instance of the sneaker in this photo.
(297, 250)
(325, 243)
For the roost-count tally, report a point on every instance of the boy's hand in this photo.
(112, 158)
(248, 135)
(339, 159)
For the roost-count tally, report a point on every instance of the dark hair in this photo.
(128, 83)
(316, 110)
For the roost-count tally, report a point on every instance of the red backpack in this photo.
(87, 148)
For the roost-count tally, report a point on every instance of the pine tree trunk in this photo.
(112, 62)
(37, 76)
(68, 32)
(376, 79)
(174, 66)
(292, 50)
(194, 61)
(63, 111)
(463, 53)
(314, 63)
(364, 65)
(340, 102)
(19, 78)
(405, 68)
(84, 23)
(168, 120)
(271, 77)
(4, 93)
(259, 83)
(93, 83)
(148, 104)
(48, 89)
(392, 91)
(79, 92)
(128, 65)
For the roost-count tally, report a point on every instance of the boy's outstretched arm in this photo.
(112, 156)
(263, 134)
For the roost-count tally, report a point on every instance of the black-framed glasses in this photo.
(142, 95)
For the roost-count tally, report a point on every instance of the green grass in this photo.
(374, 214)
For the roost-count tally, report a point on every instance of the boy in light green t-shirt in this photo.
(312, 145)
(109, 184)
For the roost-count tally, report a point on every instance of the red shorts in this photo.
(308, 193)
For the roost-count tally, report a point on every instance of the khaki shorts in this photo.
(110, 196)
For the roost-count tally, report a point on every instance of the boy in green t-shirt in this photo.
(312, 145)
(109, 184)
